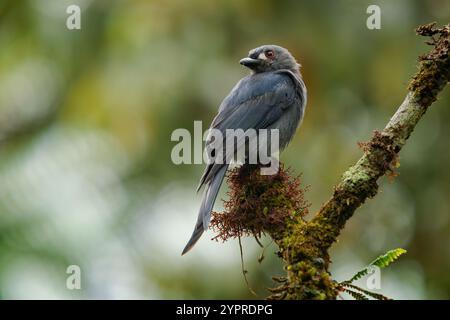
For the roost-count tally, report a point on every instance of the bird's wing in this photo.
(255, 102)
(252, 99)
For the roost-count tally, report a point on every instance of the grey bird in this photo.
(273, 96)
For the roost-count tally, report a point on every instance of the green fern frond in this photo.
(371, 294)
(356, 295)
(382, 262)
(357, 276)
(386, 259)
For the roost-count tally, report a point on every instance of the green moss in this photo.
(307, 282)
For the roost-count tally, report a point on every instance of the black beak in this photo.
(250, 62)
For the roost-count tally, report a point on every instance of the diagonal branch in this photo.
(380, 153)
(304, 245)
(275, 204)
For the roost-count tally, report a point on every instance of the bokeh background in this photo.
(86, 116)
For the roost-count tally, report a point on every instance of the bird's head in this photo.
(270, 58)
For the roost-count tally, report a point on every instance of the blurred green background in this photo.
(86, 117)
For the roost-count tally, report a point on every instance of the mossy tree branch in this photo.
(304, 245)
(275, 204)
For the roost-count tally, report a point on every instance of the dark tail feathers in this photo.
(204, 214)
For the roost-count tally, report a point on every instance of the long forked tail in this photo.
(204, 214)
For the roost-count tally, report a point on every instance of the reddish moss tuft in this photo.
(383, 153)
(259, 203)
(434, 71)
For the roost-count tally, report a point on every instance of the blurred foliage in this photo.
(85, 123)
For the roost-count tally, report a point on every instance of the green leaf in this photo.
(356, 295)
(358, 275)
(368, 293)
(382, 262)
(386, 259)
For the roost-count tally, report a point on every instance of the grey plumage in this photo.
(273, 96)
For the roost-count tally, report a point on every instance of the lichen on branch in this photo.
(381, 152)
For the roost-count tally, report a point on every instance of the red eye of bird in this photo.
(270, 54)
